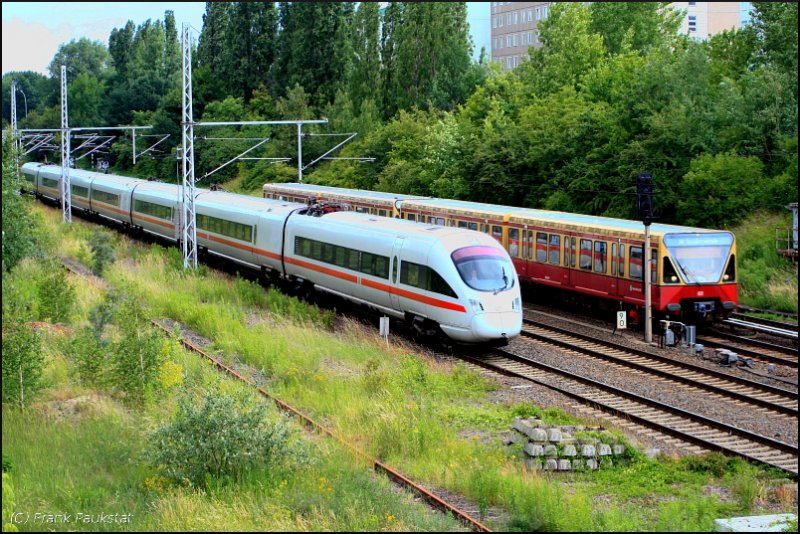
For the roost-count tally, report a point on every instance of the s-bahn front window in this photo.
(699, 258)
(484, 268)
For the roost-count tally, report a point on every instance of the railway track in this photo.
(722, 386)
(703, 432)
(752, 310)
(755, 349)
(789, 326)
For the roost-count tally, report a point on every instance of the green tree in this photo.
(23, 361)
(719, 191)
(19, 235)
(635, 26)
(365, 77)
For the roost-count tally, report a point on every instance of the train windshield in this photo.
(484, 268)
(700, 258)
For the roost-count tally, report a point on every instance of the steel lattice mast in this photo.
(66, 197)
(15, 137)
(189, 226)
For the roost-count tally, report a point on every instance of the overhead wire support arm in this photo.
(151, 147)
(206, 175)
(98, 147)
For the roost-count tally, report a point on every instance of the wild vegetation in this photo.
(435, 422)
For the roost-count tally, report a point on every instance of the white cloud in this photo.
(31, 45)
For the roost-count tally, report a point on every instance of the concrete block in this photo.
(516, 437)
(604, 450)
(564, 465)
(534, 464)
(569, 450)
(758, 523)
(521, 425)
(551, 465)
(588, 451)
(554, 435)
(566, 437)
(538, 434)
(591, 463)
(532, 449)
(550, 451)
(618, 449)
(577, 464)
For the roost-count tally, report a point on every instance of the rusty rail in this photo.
(394, 475)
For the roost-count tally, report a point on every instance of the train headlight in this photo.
(673, 278)
(476, 305)
(726, 277)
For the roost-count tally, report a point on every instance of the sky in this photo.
(33, 31)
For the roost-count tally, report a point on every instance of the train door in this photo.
(617, 256)
(570, 258)
(395, 271)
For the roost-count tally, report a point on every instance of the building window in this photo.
(494, 22)
(692, 4)
(530, 15)
(508, 19)
(523, 38)
(537, 36)
(530, 37)
(516, 41)
(544, 13)
(692, 17)
(516, 17)
(538, 14)
(508, 41)
(501, 21)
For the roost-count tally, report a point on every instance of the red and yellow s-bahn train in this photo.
(588, 259)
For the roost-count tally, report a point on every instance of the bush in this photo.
(102, 245)
(220, 439)
(56, 294)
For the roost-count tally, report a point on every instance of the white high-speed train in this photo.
(456, 281)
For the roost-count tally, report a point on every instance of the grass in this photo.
(406, 409)
(766, 280)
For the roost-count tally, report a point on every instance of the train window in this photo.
(621, 259)
(440, 221)
(108, 198)
(340, 254)
(49, 182)
(462, 224)
(730, 272)
(302, 246)
(513, 242)
(353, 259)
(374, 265)
(600, 256)
(485, 228)
(613, 259)
(635, 262)
(451, 222)
(541, 247)
(327, 253)
(79, 191)
(152, 209)
(567, 254)
(224, 227)
(30, 178)
(361, 210)
(411, 217)
(497, 233)
(554, 250)
(586, 254)
(670, 274)
(382, 213)
(425, 278)
(472, 226)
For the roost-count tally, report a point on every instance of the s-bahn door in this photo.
(395, 270)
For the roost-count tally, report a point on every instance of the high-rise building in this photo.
(515, 25)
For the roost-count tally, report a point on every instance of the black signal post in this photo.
(644, 203)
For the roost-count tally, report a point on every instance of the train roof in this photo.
(554, 217)
(313, 188)
(244, 203)
(388, 225)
